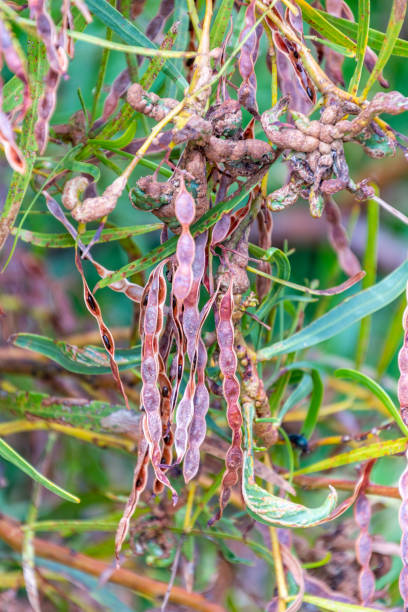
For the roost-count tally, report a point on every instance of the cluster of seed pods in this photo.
(247, 59)
(366, 581)
(151, 325)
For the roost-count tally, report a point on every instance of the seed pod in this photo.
(118, 89)
(403, 521)
(247, 59)
(150, 396)
(16, 63)
(138, 486)
(46, 108)
(339, 240)
(11, 150)
(185, 212)
(107, 338)
(191, 315)
(403, 368)
(265, 225)
(231, 390)
(366, 581)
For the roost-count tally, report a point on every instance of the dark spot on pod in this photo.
(179, 371)
(163, 460)
(194, 361)
(91, 302)
(165, 391)
(142, 409)
(299, 67)
(166, 439)
(106, 342)
(174, 301)
(239, 347)
(296, 55)
(138, 483)
(310, 93)
(146, 297)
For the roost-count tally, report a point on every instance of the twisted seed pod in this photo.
(403, 368)
(231, 391)
(46, 29)
(366, 581)
(247, 59)
(403, 521)
(119, 87)
(150, 395)
(138, 486)
(338, 238)
(107, 338)
(184, 207)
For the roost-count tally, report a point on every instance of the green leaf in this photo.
(132, 35)
(318, 21)
(371, 451)
(268, 508)
(314, 406)
(90, 415)
(395, 23)
(87, 360)
(9, 454)
(362, 41)
(209, 219)
(333, 606)
(375, 38)
(64, 241)
(302, 390)
(350, 311)
(378, 391)
(221, 21)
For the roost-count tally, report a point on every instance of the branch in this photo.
(12, 534)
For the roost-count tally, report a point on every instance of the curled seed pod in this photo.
(107, 338)
(403, 368)
(185, 212)
(231, 391)
(366, 581)
(138, 486)
(150, 395)
(155, 27)
(403, 521)
(73, 189)
(92, 209)
(247, 59)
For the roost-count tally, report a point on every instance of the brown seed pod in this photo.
(247, 59)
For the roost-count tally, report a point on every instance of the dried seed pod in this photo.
(150, 396)
(46, 108)
(138, 486)
(231, 390)
(46, 30)
(165, 413)
(403, 521)
(155, 27)
(247, 59)
(191, 315)
(265, 225)
(94, 208)
(185, 410)
(338, 238)
(201, 404)
(118, 89)
(184, 207)
(403, 368)
(107, 338)
(366, 581)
